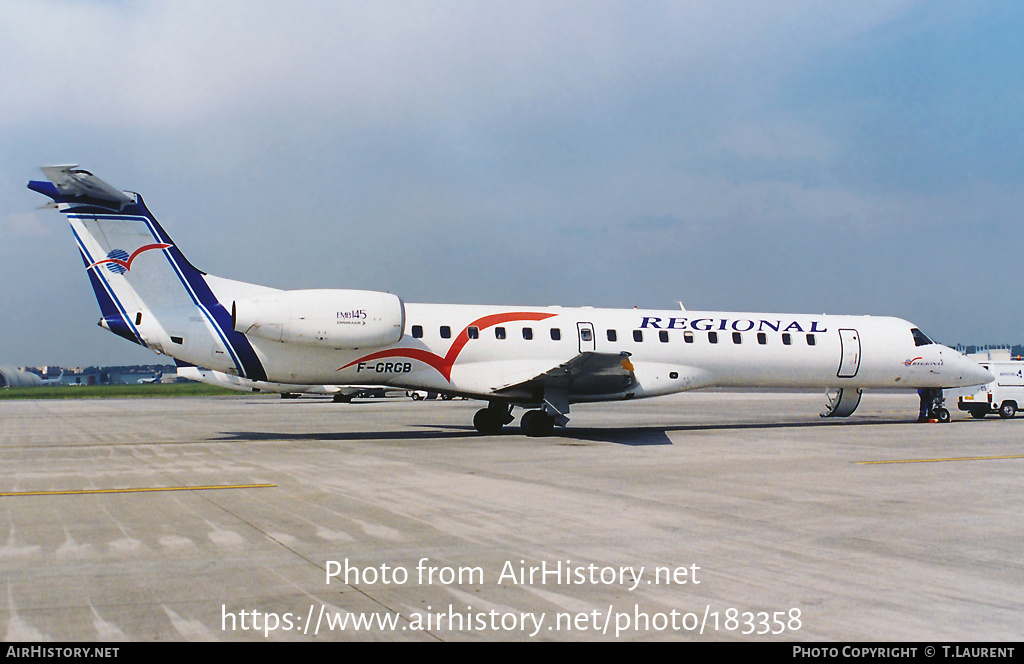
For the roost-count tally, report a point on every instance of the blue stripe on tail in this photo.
(114, 314)
(246, 360)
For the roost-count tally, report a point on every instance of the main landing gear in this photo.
(537, 423)
(490, 420)
(534, 423)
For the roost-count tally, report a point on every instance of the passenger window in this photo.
(473, 332)
(688, 337)
(499, 333)
(713, 337)
(417, 331)
(762, 338)
(810, 339)
(556, 334)
(737, 338)
(446, 332)
(528, 333)
(586, 335)
(663, 336)
(786, 339)
(638, 336)
(612, 335)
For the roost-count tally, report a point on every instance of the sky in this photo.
(792, 156)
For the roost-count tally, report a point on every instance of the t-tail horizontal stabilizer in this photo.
(73, 182)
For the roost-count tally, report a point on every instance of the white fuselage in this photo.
(477, 351)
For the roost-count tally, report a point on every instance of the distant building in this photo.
(992, 352)
(80, 377)
(993, 355)
(53, 375)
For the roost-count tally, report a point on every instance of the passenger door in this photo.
(849, 365)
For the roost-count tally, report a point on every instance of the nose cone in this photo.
(969, 372)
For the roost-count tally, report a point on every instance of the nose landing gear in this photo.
(932, 405)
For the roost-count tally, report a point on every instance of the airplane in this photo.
(541, 359)
(54, 381)
(151, 381)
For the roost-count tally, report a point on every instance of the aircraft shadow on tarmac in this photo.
(635, 436)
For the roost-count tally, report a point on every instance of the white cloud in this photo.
(179, 62)
(541, 136)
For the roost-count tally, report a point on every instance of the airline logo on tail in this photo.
(118, 261)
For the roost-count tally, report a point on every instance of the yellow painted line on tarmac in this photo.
(81, 492)
(971, 458)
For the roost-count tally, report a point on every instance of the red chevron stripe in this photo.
(443, 365)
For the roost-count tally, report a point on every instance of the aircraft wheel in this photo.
(342, 398)
(537, 423)
(979, 414)
(1007, 410)
(488, 421)
(941, 414)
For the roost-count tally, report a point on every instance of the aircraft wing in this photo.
(589, 373)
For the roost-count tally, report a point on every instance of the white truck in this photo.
(1004, 395)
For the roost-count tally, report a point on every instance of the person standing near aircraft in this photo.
(931, 405)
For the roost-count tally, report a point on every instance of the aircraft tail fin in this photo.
(147, 290)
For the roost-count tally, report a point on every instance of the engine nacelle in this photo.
(327, 318)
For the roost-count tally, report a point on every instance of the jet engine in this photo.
(325, 318)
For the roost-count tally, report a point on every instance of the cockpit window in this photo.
(920, 339)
